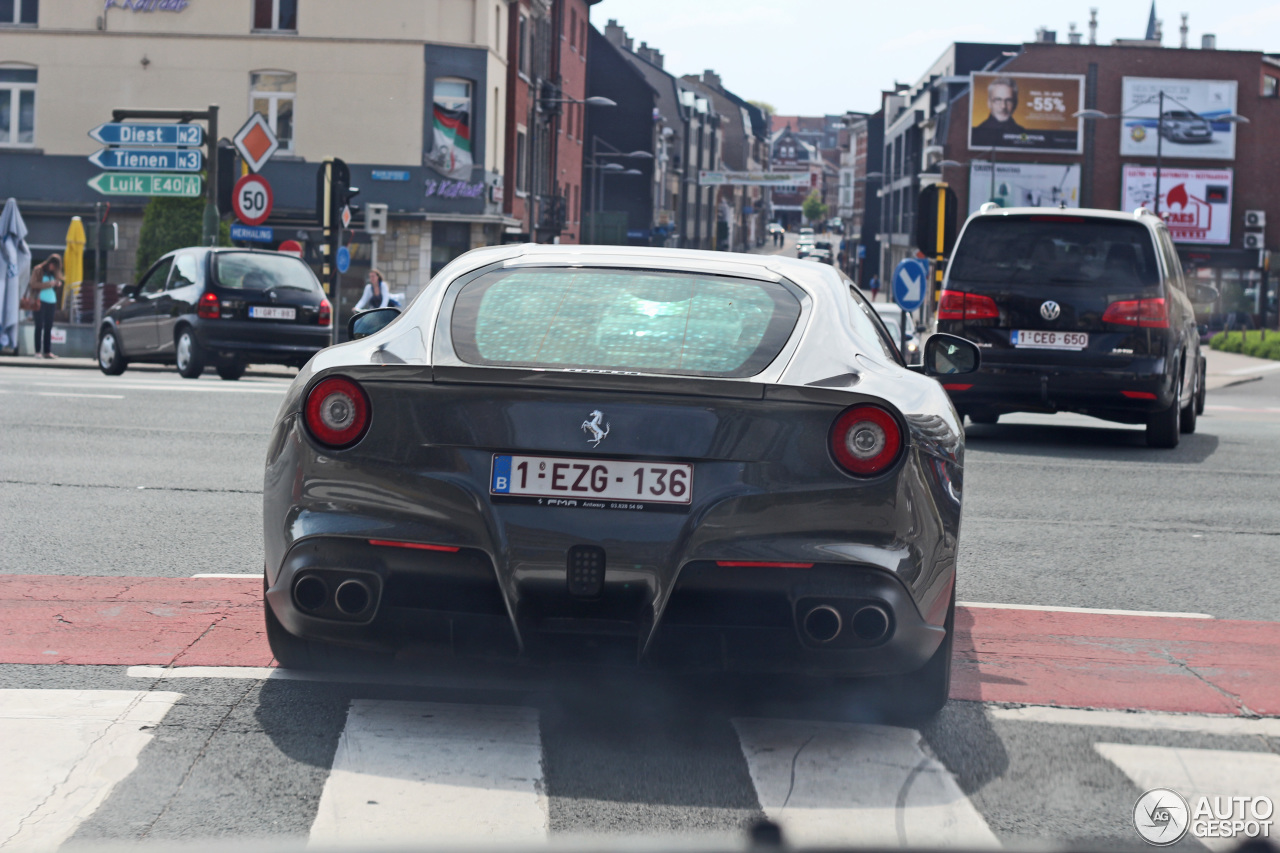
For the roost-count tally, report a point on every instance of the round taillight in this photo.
(337, 412)
(866, 440)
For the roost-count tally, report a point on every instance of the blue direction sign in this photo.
(128, 133)
(344, 259)
(251, 234)
(909, 280)
(148, 159)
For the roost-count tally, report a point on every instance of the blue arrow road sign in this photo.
(148, 159)
(344, 259)
(251, 234)
(126, 133)
(909, 279)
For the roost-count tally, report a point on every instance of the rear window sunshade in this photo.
(623, 320)
(1051, 250)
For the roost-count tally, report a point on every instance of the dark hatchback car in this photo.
(221, 307)
(1085, 311)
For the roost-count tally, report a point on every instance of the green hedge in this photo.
(1248, 343)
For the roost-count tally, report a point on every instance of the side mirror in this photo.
(130, 290)
(948, 355)
(1203, 293)
(366, 323)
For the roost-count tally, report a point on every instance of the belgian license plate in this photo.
(1050, 340)
(262, 312)
(592, 479)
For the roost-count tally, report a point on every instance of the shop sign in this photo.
(1194, 203)
(453, 189)
(147, 5)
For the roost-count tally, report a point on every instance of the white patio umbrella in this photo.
(15, 270)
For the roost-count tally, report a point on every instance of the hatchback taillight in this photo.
(326, 313)
(866, 440)
(1144, 313)
(958, 305)
(207, 308)
(337, 412)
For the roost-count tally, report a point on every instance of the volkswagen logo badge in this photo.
(1050, 310)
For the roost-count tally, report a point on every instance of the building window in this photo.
(20, 12)
(448, 241)
(523, 47)
(522, 169)
(573, 29)
(1270, 87)
(275, 15)
(582, 43)
(272, 93)
(577, 204)
(17, 105)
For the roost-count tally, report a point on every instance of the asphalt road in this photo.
(153, 475)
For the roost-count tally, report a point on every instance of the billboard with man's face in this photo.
(1025, 112)
(1192, 125)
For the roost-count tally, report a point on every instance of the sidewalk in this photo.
(256, 370)
(1229, 368)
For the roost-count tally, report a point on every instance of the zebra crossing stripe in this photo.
(1196, 773)
(428, 773)
(836, 784)
(72, 747)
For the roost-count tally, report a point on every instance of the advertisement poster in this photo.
(1195, 203)
(1024, 185)
(1192, 111)
(1025, 112)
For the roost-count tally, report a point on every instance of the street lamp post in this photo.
(600, 169)
(1093, 115)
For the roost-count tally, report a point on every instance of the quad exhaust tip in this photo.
(823, 624)
(353, 597)
(310, 593)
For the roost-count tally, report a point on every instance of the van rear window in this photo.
(261, 271)
(1084, 253)
(623, 320)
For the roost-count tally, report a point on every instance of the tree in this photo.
(768, 108)
(172, 223)
(813, 208)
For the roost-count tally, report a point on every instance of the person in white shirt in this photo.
(376, 293)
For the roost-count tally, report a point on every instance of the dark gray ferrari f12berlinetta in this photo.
(698, 460)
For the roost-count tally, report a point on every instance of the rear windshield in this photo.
(246, 271)
(624, 320)
(1056, 250)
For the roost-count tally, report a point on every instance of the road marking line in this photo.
(229, 575)
(836, 784)
(1196, 773)
(1097, 610)
(1142, 721)
(516, 681)
(94, 396)
(1270, 411)
(206, 387)
(73, 747)
(409, 772)
(1245, 371)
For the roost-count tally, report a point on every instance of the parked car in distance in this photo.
(221, 307)
(894, 317)
(1083, 311)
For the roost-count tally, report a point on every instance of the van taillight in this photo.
(1144, 313)
(207, 308)
(326, 313)
(958, 305)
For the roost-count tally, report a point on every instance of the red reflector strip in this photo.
(955, 386)
(752, 564)
(418, 546)
(1139, 395)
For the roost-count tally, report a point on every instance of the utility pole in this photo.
(1159, 149)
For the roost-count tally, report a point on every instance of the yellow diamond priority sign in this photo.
(255, 142)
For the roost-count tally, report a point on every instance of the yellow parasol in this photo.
(73, 261)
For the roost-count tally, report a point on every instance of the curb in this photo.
(90, 364)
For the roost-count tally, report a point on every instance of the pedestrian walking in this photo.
(376, 293)
(874, 286)
(46, 278)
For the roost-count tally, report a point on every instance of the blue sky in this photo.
(811, 57)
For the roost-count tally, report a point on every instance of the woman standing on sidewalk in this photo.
(45, 280)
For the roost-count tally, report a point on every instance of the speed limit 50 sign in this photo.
(251, 200)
